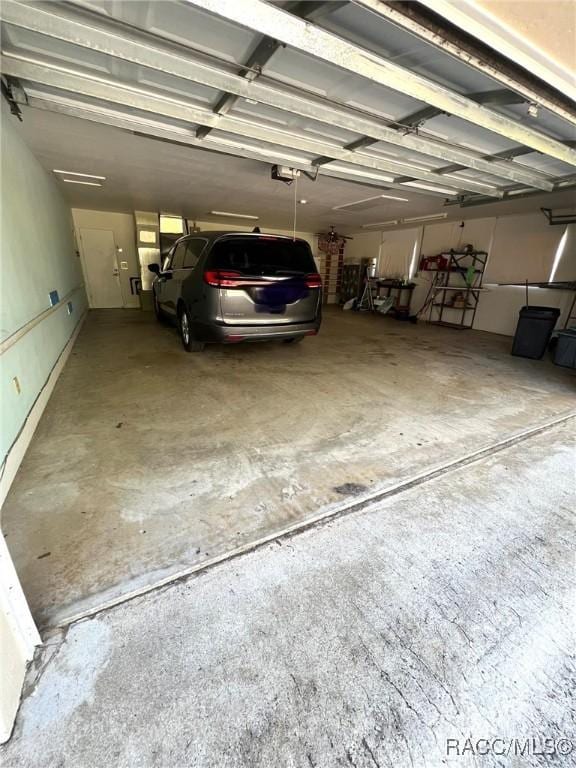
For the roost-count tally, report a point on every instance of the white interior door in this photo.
(101, 268)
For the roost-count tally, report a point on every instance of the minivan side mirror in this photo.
(154, 268)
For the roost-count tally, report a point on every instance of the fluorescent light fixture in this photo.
(372, 201)
(429, 187)
(87, 183)
(302, 202)
(558, 256)
(361, 174)
(84, 175)
(430, 217)
(390, 223)
(233, 215)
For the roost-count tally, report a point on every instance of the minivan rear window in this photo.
(262, 256)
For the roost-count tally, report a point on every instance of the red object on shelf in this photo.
(433, 263)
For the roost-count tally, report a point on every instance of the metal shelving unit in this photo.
(456, 290)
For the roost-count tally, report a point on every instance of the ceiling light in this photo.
(390, 223)
(85, 175)
(302, 202)
(430, 217)
(233, 215)
(87, 183)
(533, 110)
(393, 197)
(369, 202)
(429, 187)
(361, 174)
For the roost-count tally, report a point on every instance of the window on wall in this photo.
(564, 264)
(171, 225)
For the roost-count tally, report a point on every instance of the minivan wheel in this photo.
(294, 340)
(186, 334)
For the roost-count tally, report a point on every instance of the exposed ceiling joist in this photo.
(265, 48)
(499, 96)
(326, 46)
(409, 16)
(415, 119)
(149, 128)
(97, 35)
(108, 90)
(507, 154)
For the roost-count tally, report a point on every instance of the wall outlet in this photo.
(17, 386)
(69, 307)
(54, 298)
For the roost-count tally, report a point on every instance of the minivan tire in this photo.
(189, 344)
(294, 340)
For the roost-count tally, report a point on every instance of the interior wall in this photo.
(523, 249)
(520, 247)
(38, 257)
(123, 227)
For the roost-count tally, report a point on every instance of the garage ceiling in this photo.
(138, 91)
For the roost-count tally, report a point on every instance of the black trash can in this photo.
(566, 348)
(535, 326)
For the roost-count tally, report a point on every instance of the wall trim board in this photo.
(20, 445)
(9, 341)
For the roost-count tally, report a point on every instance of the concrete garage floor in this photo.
(445, 612)
(149, 461)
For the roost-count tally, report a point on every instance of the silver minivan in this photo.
(238, 286)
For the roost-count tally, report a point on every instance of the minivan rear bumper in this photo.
(234, 333)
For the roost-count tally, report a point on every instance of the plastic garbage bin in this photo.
(535, 326)
(566, 348)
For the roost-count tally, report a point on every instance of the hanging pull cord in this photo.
(295, 203)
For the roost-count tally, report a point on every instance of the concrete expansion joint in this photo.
(328, 515)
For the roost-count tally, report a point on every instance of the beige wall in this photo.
(123, 227)
(520, 248)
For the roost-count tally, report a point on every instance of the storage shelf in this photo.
(459, 270)
(457, 288)
(460, 267)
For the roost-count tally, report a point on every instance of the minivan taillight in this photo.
(313, 280)
(219, 278)
(223, 278)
